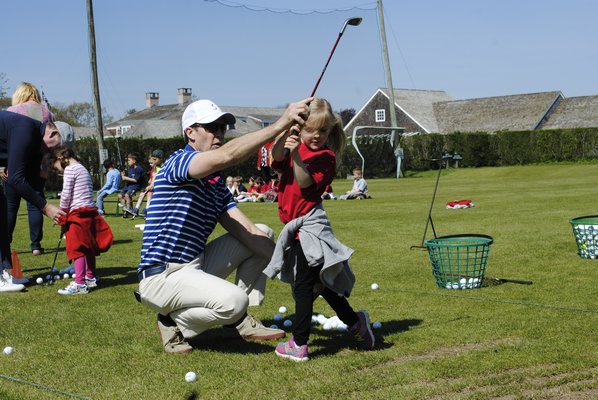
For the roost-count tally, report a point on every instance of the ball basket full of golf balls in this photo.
(585, 230)
(459, 261)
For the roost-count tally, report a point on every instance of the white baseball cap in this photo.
(67, 133)
(204, 112)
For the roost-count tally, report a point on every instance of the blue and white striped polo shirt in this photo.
(183, 212)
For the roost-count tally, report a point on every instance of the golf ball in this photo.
(8, 350)
(377, 325)
(287, 323)
(282, 309)
(66, 276)
(322, 319)
(57, 277)
(277, 317)
(39, 280)
(190, 376)
(374, 286)
(273, 326)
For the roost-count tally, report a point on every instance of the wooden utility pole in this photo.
(96, 87)
(389, 86)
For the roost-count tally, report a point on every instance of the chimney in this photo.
(184, 95)
(152, 99)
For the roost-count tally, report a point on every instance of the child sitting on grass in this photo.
(87, 233)
(319, 265)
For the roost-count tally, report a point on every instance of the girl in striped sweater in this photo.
(87, 233)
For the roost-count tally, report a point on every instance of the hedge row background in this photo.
(478, 149)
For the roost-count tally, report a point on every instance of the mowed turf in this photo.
(504, 341)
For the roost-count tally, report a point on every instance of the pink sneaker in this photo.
(363, 331)
(291, 351)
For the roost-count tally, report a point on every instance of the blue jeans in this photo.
(5, 262)
(35, 215)
(100, 200)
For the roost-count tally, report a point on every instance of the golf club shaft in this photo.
(56, 252)
(287, 152)
(352, 21)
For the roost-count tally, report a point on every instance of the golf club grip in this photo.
(515, 281)
(287, 152)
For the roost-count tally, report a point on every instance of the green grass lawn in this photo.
(504, 341)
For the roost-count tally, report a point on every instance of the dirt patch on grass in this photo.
(450, 351)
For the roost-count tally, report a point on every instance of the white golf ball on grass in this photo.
(282, 309)
(374, 286)
(190, 376)
(8, 350)
(39, 280)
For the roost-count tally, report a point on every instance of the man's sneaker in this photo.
(91, 283)
(252, 328)
(291, 351)
(73, 288)
(172, 338)
(6, 285)
(363, 331)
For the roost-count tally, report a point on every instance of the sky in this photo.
(237, 53)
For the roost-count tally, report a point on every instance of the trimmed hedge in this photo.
(478, 149)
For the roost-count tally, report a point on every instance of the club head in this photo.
(354, 21)
(351, 21)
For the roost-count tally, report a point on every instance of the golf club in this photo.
(492, 278)
(56, 253)
(429, 219)
(351, 21)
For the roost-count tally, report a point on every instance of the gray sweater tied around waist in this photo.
(320, 248)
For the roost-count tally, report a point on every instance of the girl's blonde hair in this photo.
(321, 117)
(25, 92)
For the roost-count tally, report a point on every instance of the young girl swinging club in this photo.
(307, 254)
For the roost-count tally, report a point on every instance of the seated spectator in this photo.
(132, 180)
(360, 187)
(271, 193)
(328, 193)
(248, 194)
(112, 185)
(155, 161)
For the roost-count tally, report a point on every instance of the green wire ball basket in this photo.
(585, 230)
(459, 261)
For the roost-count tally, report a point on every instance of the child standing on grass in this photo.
(317, 263)
(87, 233)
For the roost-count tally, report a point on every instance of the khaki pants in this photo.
(197, 296)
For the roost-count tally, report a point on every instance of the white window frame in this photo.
(380, 115)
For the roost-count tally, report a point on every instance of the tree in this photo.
(3, 85)
(346, 115)
(79, 114)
